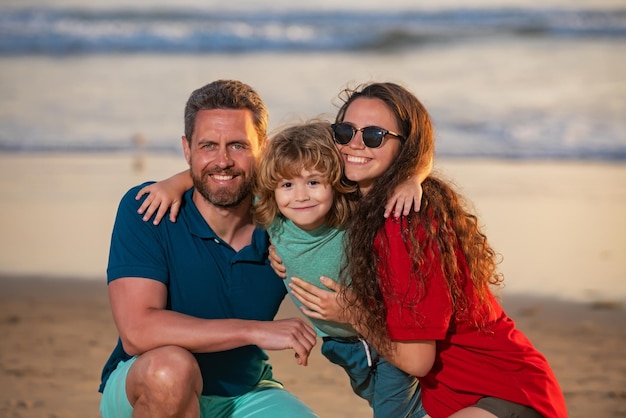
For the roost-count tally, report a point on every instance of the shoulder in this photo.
(131, 194)
(403, 225)
(401, 233)
(129, 204)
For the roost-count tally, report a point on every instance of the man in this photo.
(194, 300)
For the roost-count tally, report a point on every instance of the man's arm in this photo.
(138, 307)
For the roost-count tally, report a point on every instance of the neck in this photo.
(233, 224)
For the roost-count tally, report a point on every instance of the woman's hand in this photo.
(320, 303)
(277, 263)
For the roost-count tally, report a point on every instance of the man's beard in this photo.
(222, 196)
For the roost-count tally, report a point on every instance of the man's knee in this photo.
(165, 373)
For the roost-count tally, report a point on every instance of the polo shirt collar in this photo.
(195, 221)
(198, 227)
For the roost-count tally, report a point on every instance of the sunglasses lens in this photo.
(343, 133)
(373, 136)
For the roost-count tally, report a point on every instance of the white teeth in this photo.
(358, 160)
(222, 178)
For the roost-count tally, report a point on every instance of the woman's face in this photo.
(362, 164)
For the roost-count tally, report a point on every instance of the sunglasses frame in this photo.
(384, 132)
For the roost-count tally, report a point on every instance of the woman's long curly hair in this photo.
(443, 216)
(309, 146)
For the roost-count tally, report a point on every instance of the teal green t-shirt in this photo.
(309, 255)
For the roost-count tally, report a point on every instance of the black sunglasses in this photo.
(373, 136)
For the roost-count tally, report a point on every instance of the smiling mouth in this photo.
(222, 177)
(356, 160)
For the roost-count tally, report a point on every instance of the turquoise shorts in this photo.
(268, 400)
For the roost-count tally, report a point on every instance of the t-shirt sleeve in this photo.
(136, 246)
(414, 311)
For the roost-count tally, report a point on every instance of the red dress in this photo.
(498, 361)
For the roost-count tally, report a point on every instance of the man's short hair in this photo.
(226, 94)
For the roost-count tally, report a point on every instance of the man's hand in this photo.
(283, 334)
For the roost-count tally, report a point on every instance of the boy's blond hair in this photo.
(309, 146)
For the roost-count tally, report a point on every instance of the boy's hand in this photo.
(157, 203)
(406, 196)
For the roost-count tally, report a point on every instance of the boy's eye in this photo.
(286, 184)
(317, 181)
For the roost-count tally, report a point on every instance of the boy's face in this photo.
(305, 200)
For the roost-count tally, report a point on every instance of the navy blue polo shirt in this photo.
(205, 278)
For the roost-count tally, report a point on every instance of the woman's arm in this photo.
(277, 263)
(413, 357)
(164, 195)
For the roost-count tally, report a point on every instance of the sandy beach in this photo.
(56, 334)
(559, 226)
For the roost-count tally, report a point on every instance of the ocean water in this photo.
(502, 79)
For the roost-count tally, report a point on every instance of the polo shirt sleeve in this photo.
(414, 311)
(136, 246)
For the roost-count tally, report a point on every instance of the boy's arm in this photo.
(163, 195)
(408, 194)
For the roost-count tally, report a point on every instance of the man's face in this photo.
(222, 155)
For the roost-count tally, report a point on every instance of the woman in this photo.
(420, 285)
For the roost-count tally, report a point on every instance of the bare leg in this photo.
(165, 382)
